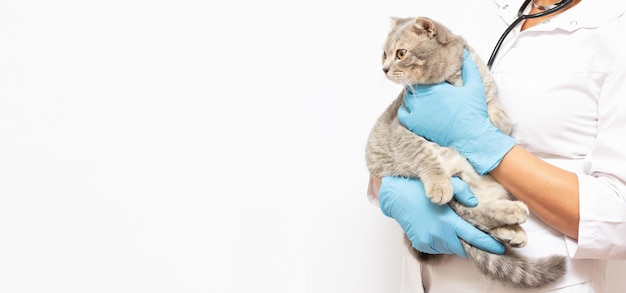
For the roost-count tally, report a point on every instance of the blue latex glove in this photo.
(457, 117)
(433, 228)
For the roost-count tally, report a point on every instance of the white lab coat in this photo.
(563, 83)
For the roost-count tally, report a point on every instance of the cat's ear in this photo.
(394, 21)
(424, 26)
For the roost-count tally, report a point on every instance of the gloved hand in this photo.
(457, 117)
(432, 228)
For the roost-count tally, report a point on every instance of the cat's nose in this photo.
(385, 70)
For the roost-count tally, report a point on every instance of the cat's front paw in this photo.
(507, 212)
(438, 189)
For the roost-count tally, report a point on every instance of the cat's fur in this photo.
(433, 55)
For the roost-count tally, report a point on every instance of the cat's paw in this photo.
(438, 190)
(512, 212)
(516, 212)
(513, 235)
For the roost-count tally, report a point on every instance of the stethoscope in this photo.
(520, 17)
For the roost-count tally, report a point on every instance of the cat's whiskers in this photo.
(408, 84)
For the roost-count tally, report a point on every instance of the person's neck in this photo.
(546, 2)
(533, 21)
(552, 2)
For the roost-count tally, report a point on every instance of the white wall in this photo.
(192, 146)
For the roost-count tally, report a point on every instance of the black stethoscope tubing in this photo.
(520, 17)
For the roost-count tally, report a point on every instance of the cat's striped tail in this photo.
(517, 271)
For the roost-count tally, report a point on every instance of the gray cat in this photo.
(422, 51)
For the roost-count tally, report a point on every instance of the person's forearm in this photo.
(550, 192)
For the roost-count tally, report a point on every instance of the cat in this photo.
(423, 51)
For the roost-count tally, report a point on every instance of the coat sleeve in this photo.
(602, 190)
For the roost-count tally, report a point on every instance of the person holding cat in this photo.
(562, 80)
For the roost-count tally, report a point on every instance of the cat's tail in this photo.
(517, 271)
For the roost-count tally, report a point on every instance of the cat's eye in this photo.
(400, 53)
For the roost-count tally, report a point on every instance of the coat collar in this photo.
(587, 14)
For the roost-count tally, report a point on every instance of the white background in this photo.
(193, 146)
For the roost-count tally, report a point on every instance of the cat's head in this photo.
(421, 51)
